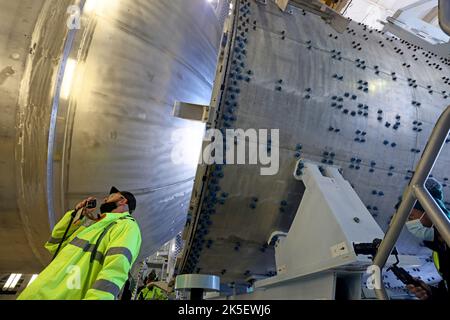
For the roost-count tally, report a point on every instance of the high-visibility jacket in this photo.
(93, 263)
(441, 259)
(152, 294)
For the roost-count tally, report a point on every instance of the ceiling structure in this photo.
(374, 12)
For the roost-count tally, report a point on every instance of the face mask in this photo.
(419, 230)
(108, 207)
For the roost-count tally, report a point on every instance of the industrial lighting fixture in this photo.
(69, 73)
(12, 281)
(32, 279)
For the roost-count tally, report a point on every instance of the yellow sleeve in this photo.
(121, 252)
(58, 232)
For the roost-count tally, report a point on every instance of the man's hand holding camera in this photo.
(88, 207)
(423, 292)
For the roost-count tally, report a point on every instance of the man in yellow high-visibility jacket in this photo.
(421, 226)
(95, 258)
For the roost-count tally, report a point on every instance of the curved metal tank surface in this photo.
(30, 47)
(122, 71)
(359, 99)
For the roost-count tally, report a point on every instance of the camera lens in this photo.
(92, 204)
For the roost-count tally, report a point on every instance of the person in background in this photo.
(153, 289)
(420, 225)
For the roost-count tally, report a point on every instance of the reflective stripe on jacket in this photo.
(77, 273)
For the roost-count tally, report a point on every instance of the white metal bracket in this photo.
(190, 111)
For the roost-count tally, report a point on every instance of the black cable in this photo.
(73, 215)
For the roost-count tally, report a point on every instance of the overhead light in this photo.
(12, 281)
(16, 279)
(69, 73)
(8, 282)
(90, 6)
(32, 279)
(99, 7)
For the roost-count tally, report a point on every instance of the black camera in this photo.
(91, 204)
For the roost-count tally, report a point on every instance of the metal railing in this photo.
(416, 191)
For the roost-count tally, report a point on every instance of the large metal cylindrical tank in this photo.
(86, 98)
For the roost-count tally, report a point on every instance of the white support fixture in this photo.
(190, 111)
(316, 259)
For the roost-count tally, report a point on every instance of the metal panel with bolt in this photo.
(360, 99)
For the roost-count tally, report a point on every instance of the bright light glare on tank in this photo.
(193, 140)
(378, 85)
(69, 74)
(188, 144)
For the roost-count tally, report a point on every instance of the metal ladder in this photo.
(416, 191)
